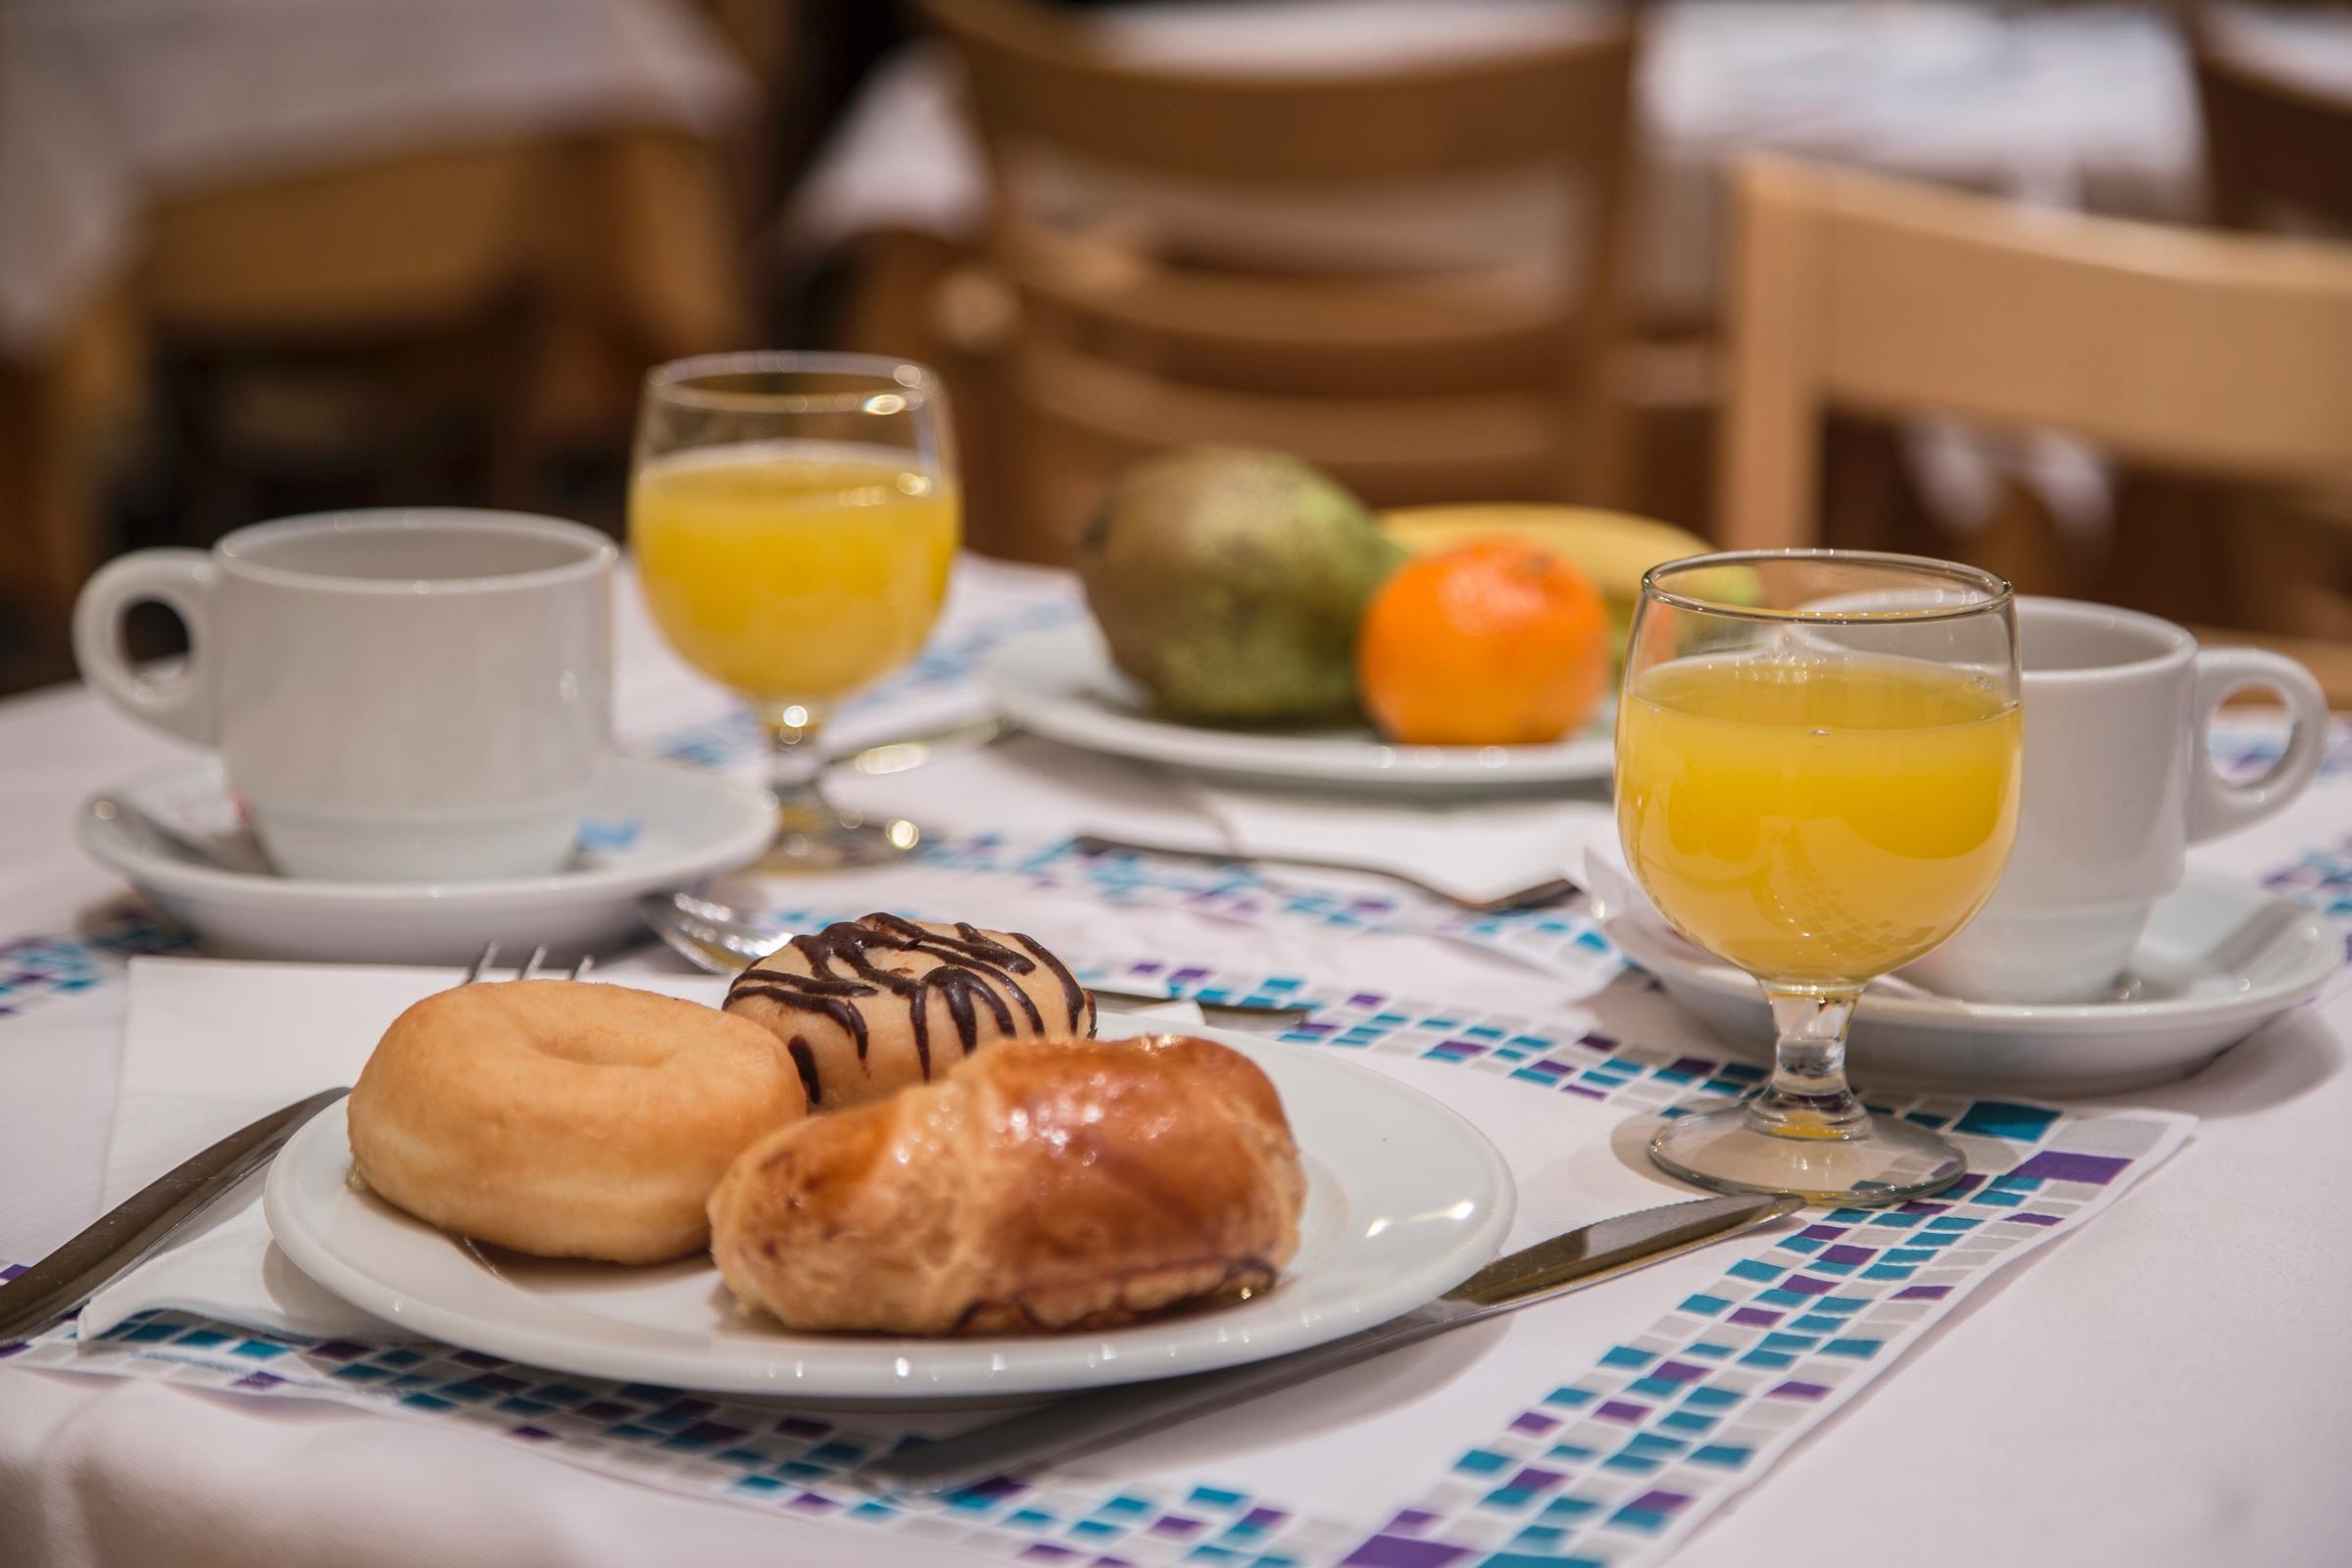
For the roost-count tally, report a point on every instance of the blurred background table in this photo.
(2085, 107)
(261, 260)
(399, 214)
(2094, 108)
(2081, 106)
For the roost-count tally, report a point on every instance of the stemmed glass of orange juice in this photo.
(1817, 781)
(793, 518)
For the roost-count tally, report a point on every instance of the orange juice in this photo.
(793, 572)
(1817, 819)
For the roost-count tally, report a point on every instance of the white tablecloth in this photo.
(2074, 105)
(2173, 1385)
(106, 105)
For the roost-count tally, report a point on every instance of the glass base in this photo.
(1884, 1161)
(829, 841)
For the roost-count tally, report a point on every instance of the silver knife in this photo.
(136, 1227)
(896, 757)
(1567, 1262)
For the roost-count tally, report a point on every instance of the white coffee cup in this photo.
(397, 696)
(2117, 786)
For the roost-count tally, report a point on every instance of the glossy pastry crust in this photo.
(1040, 1186)
(867, 1006)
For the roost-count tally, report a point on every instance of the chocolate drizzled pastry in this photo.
(868, 1007)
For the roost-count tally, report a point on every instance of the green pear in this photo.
(1230, 583)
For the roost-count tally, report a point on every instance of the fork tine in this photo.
(481, 965)
(538, 958)
(579, 971)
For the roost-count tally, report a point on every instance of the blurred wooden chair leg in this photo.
(60, 419)
(2293, 560)
(2021, 544)
(974, 324)
(924, 298)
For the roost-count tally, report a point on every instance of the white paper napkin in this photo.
(209, 1046)
(1475, 850)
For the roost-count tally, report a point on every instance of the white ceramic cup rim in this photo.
(2178, 645)
(594, 552)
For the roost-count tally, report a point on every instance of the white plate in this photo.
(1062, 685)
(1405, 1200)
(2221, 957)
(652, 825)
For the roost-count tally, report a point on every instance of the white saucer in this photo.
(652, 825)
(1405, 1200)
(2221, 957)
(1062, 685)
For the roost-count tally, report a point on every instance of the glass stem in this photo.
(1806, 1096)
(795, 764)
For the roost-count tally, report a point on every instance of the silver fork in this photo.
(140, 1224)
(719, 940)
(531, 968)
(1534, 896)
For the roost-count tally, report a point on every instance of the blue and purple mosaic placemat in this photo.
(34, 969)
(2321, 878)
(1614, 1452)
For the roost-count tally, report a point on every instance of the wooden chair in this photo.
(335, 303)
(2277, 152)
(2279, 159)
(1141, 325)
(2220, 355)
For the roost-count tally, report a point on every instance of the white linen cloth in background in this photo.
(2088, 107)
(2085, 107)
(107, 104)
(2161, 1387)
(2074, 105)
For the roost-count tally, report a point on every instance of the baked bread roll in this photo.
(563, 1118)
(867, 1006)
(1042, 1185)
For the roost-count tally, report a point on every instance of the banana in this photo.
(1611, 548)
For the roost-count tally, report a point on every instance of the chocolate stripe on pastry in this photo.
(1079, 999)
(974, 974)
(808, 993)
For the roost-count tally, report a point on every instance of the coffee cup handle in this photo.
(181, 704)
(2216, 805)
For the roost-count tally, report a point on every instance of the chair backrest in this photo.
(2277, 151)
(1255, 255)
(1037, 76)
(2214, 354)
(1413, 206)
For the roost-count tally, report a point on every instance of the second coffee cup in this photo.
(2117, 786)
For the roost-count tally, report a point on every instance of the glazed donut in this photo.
(565, 1119)
(867, 1006)
(1042, 1185)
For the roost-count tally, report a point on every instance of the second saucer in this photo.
(2220, 958)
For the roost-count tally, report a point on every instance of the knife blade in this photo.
(896, 757)
(142, 1222)
(1567, 1262)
